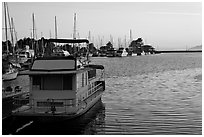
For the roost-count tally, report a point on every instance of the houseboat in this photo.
(62, 87)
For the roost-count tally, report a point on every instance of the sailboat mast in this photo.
(74, 35)
(50, 34)
(10, 27)
(12, 31)
(33, 18)
(119, 43)
(89, 37)
(55, 27)
(130, 36)
(125, 41)
(15, 33)
(7, 50)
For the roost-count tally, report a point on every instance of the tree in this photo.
(136, 45)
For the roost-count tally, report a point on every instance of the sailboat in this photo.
(9, 70)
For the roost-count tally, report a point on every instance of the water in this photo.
(155, 94)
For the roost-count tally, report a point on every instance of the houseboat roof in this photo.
(69, 40)
(28, 72)
(37, 72)
(54, 64)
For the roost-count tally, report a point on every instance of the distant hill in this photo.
(196, 48)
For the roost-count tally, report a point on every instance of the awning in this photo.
(28, 72)
(95, 66)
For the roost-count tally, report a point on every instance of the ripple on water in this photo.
(160, 103)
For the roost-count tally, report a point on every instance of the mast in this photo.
(12, 31)
(7, 50)
(125, 41)
(50, 34)
(15, 33)
(55, 27)
(89, 37)
(10, 27)
(119, 43)
(74, 35)
(130, 36)
(33, 18)
(111, 39)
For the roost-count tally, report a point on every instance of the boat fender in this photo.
(83, 105)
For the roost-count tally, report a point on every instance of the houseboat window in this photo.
(82, 79)
(92, 73)
(52, 82)
(67, 82)
(36, 81)
(86, 78)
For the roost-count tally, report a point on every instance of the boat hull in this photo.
(10, 76)
(50, 117)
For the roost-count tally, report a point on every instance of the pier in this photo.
(177, 51)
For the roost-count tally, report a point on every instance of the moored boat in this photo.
(111, 52)
(62, 87)
(10, 75)
(121, 52)
(9, 71)
(9, 94)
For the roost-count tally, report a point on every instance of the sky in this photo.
(164, 25)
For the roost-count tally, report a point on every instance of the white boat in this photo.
(10, 73)
(60, 87)
(25, 55)
(124, 53)
(121, 52)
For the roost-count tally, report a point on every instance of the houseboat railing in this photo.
(42, 105)
(94, 91)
